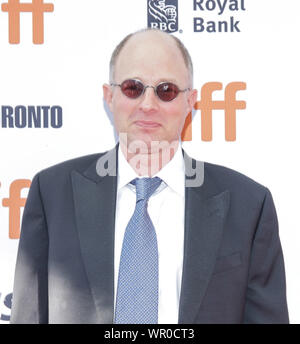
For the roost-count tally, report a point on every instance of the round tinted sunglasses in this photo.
(165, 91)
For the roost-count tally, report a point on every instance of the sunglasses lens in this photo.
(132, 88)
(167, 91)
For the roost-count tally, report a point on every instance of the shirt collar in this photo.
(172, 174)
(125, 172)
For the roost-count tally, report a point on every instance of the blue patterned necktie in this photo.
(137, 293)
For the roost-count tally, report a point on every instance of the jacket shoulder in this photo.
(226, 178)
(63, 169)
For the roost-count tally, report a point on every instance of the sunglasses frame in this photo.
(149, 86)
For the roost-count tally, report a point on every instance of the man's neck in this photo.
(152, 161)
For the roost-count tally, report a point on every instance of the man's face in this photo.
(151, 58)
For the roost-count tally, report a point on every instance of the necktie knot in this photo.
(145, 187)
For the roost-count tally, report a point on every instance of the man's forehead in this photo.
(152, 55)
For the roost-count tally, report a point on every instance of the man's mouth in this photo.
(147, 124)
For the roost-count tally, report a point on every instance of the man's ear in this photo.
(192, 98)
(107, 94)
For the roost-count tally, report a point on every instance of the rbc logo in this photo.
(163, 15)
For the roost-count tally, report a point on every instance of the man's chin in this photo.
(147, 145)
(142, 146)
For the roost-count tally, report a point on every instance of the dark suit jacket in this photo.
(233, 269)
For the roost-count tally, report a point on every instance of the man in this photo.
(126, 237)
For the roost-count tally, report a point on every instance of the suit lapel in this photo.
(204, 219)
(95, 203)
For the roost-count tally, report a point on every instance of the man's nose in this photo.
(149, 100)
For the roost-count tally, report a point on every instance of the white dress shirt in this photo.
(166, 210)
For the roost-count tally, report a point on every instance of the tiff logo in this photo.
(206, 105)
(37, 8)
(14, 203)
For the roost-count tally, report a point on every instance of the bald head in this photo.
(161, 40)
